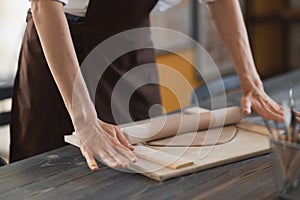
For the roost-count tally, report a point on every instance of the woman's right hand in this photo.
(97, 140)
(106, 143)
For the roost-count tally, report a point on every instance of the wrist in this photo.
(249, 78)
(249, 84)
(83, 117)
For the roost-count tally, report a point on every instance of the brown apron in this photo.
(39, 116)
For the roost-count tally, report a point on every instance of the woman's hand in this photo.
(228, 19)
(97, 140)
(255, 98)
(106, 143)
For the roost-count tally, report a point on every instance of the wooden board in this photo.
(257, 128)
(246, 144)
(161, 158)
(161, 163)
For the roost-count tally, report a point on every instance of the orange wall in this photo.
(180, 85)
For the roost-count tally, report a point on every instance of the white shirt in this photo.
(79, 7)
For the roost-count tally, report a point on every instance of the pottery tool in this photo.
(291, 132)
(287, 119)
(294, 131)
(285, 150)
(271, 130)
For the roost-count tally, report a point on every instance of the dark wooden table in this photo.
(63, 174)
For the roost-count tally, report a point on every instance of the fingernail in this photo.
(94, 168)
(125, 165)
(133, 159)
(114, 164)
(246, 111)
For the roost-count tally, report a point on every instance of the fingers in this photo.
(246, 106)
(267, 113)
(107, 153)
(109, 157)
(104, 142)
(263, 105)
(110, 161)
(120, 162)
(115, 132)
(123, 139)
(103, 149)
(123, 149)
(120, 142)
(127, 153)
(91, 162)
(269, 110)
(266, 110)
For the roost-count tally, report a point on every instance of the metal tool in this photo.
(287, 119)
(270, 129)
(293, 125)
(291, 132)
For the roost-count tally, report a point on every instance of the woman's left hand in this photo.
(255, 99)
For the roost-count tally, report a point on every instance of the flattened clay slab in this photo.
(201, 138)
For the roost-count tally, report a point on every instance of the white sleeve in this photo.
(163, 5)
(65, 2)
(206, 1)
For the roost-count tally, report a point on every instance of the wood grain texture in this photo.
(62, 178)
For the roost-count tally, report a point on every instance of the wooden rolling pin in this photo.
(170, 125)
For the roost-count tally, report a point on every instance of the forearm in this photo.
(228, 20)
(103, 141)
(53, 31)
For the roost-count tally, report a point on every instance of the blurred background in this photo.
(12, 23)
(273, 27)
